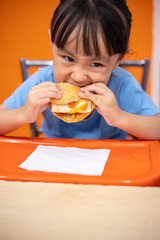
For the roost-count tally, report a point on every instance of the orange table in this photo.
(131, 162)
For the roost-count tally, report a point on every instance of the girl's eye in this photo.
(68, 59)
(96, 64)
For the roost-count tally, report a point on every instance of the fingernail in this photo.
(81, 94)
(82, 89)
(60, 90)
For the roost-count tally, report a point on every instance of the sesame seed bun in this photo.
(70, 94)
(70, 107)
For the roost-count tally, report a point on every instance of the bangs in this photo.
(87, 29)
(90, 21)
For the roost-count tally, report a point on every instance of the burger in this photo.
(70, 107)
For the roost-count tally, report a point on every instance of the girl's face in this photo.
(74, 67)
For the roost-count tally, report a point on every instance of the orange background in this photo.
(24, 33)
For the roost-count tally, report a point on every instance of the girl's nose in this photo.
(79, 76)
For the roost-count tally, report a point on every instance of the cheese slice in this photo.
(81, 106)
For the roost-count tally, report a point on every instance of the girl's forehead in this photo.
(76, 43)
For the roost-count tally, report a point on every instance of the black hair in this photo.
(111, 17)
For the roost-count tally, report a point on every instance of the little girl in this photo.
(89, 39)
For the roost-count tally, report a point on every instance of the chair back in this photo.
(144, 64)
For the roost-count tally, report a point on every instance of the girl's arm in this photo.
(10, 120)
(144, 127)
(37, 101)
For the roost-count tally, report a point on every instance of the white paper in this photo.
(67, 160)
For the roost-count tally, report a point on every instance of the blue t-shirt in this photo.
(129, 95)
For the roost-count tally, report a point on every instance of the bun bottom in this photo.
(68, 118)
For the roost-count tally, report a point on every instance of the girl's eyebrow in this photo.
(94, 58)
(66, 51)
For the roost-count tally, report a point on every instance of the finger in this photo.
(98, 88)
(39, 102)
(95, 98)
(46, 93)
(44, 101)
(48, 86)
(47, 83)
(42, 91)
(43, 108)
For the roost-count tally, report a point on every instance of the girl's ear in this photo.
(118, 62)
(120, 58)
(49, 32)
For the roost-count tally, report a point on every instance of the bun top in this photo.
(70, 94)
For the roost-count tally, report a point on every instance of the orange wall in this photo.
(141, 33)
(24, 33)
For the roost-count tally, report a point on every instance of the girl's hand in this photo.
(104, 100)
(38, 99)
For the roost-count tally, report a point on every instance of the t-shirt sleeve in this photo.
(134, 100)
(19, 96)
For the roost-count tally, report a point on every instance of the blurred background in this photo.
(24, 33)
